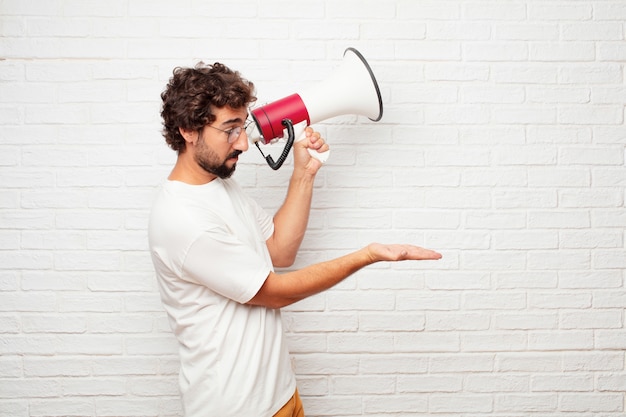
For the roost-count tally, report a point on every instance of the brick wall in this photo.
(502, 146)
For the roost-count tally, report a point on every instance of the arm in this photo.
(291, 220)
(280, 290)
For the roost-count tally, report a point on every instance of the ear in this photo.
(190, 136)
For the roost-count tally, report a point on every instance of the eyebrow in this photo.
(232, 121)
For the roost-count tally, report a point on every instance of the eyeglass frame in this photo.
(233, 135)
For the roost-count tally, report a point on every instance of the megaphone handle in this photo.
(320, 156)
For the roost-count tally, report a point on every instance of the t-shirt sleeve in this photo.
(224, 264)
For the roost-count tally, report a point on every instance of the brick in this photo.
(429, 10)
(593, 361)
(526, 321)
(598, 198)
(497, 383)
(527, 403)
(559, 177)
(396, 404)
(55, 367)
(62, 407)
(610, 339)
(592, 31)
(563, 260)
(496, 51)
(611, 51)
(496, 220)
(333, 405)
(31, 302)
(34, 387)
(428, 50)
(484, 301)
(454, 403)
(525, 240)
(18, 408)
(126, 407)
(528, 155)
(426, 342)
(313, 322)
(441, 302)
(530, 362)
(526, 279)
(562, 219)
(556, 12)
(537, 115)
(53, 324)
(401, 30)
(443, 71)
(393, 364)
(588, 320)
(559, 134)
(559, 300)
(562, 52)
(531, 198)
(500, 94)
(156, 386)
(616, 382)
(354, 385)
(575, 95)
(458, 322)
(561, 340)
(589, 279)
(527, 31)
(427, 176)
(10, 367)
(602, 115)
(374, 322)
(578, 239)
(592, 402)
(327, 364)
(429, 384)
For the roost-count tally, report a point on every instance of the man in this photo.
(214, 250)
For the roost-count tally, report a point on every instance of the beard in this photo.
(209, 161)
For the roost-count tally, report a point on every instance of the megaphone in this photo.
(350, 89)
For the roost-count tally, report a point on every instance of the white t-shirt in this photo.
(208, 248)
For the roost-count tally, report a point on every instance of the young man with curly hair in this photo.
(214, 251)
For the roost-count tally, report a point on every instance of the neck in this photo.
(187, 170)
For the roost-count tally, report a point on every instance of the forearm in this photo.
(291, 220)
(280, 290)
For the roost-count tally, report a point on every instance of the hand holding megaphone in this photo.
(301, 135)
(350, 89)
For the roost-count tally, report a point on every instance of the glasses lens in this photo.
(234, 134)
(249, 127)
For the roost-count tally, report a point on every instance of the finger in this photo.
(316, 141)
(323, 148)
(426, 254)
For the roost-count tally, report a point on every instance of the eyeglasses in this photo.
(235, 132)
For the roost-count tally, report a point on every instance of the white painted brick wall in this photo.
(502, 146)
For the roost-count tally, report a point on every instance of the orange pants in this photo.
(293, 408)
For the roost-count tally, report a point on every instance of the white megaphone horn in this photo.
(350, 89)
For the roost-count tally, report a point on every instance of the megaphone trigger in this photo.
(301, 135)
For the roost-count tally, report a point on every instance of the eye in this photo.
(233, 134)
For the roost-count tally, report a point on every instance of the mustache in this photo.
(235, 154)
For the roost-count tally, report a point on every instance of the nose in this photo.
(241, 143)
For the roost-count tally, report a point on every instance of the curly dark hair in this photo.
(192, 94)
